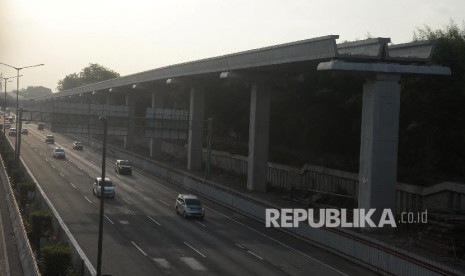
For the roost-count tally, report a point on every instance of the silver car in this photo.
(189, 206)
(59, 152)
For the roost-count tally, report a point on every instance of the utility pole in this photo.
(102, 193)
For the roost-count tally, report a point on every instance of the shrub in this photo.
(24, 189)
(41, 224)
(56, 260)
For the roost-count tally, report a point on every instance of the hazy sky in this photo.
(138, 35)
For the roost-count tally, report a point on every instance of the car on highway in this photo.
(49, 139)
(189, 206)
(12, 132)
(108, 187)
(123, 167)
(24, 131)
(40, 126)
(59, 152)
(7, 125)
(77, 145)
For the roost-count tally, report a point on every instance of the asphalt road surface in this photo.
(144, 236)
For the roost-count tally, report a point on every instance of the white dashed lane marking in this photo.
(90, 201)
(154, 220)
(164, 202)
(138, 248)
(193, 248)
(109, 219)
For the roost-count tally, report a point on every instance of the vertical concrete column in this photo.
(129, 139)
(379, 139)
(258, 137)
(194, 149)
(155, 144)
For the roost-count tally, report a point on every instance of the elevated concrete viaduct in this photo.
(383, 65)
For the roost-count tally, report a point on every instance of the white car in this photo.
(59, 152)
(108, 187)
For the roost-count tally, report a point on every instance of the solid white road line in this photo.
(141, 251)
(198, 252)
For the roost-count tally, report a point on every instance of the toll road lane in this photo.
(141, 222)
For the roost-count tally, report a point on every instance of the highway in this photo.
(144, 236)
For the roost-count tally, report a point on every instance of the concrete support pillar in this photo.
(259, 137)
(379, 139)
(129, 139)
(196, 110)
(155, 144)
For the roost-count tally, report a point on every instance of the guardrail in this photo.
(446, 195)
(26, 255)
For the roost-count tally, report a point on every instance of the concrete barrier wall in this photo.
(410, 197)
(357, 247)
(26, 255)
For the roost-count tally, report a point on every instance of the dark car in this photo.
(77, 145)
(123, 167)
(24, 131)
(12, 132)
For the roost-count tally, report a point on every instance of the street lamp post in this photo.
(17, 102)
(104, 120)
(4, 108)
(6, 80)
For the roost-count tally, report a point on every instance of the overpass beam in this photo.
(259, 136)
(196, 114)
(379, 141)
